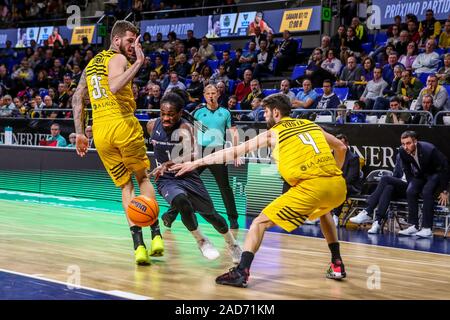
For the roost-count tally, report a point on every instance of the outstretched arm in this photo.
(82, 141)
(260, 141)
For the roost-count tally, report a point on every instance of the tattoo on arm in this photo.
(77, 104)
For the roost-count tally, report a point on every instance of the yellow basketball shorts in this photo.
(121, 147)
(310, 199)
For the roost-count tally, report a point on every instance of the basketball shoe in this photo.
(336, 270)
(157, 249)
(234, 277)
(207, 249)
(141, 256)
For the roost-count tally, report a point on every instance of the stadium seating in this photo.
(381, 38)
(268, 92)
(222, 46)
(299, 70)
(423, 77)
(213, 64)
(341, 92)
(367, 47)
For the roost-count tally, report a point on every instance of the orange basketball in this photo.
(143, 211)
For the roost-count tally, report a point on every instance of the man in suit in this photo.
(426, 171)
(351, 172)
(287, 53)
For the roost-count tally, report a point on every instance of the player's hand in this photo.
(140, 57)
(443, 199)
(183, 168)
(82, 144)
(238, 162)
(159, 171)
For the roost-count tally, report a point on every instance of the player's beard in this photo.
(122, 50)
(270, 122)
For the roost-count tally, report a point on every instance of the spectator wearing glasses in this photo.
(329, 99)
(72, 140)
(430, 28)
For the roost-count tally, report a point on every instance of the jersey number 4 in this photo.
(98, 91)
(308, 140)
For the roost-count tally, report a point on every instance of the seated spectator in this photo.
(388, 189)
(402, 44)
(222, 99)
(324, 46)
(220, 75)
(382, 101)
(315, 72)
(206, 50)
(8, 109)
(255, 93)
(394, 35)
(329, 100)
(257, 113)
(183, 67)
(427, 105)
(263, 65)
(388, 70)
(428, 61)
(285, 89)
(146, 43)
(192, 52)
(286, 54)
(395, 104)
(169, 46)
(22, 109)
(349, 75)
(89, 134)
(175, 83)
(413, 32)
(271, 45)
(258, 37)
(444, 39)
(198, 65)
(331, 63)
(55, 135)
(194, 91)
(243, 88)
(206, 75)
(360, 31)
(158, 45)
(72, 140)
(24, 74)
(143, 74)
(408, 88)
(307, 98)
(5, 80)
(367, 69)
(248, 57)
(153, 99)
(341, 114)
(229, 64)
(443, 74)
(430, 28)
(411, 54)
(171, 64)
(338, 40)
(352, 45)
(374, 88)
(154, 79)
(439, 94)
(49, 104)
(41, 81)
(159, 67)
(232, 102)
(357, 117)
(352, 174)
(191, 41)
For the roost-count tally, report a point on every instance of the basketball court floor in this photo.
(66, 248)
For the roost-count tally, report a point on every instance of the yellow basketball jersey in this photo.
(302, 151)
(105, 104)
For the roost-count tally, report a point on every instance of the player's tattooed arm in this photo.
(77, 104)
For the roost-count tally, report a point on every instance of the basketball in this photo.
(143, 211)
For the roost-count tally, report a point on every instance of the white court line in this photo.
(117, 293)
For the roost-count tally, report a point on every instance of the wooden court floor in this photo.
(52, 242)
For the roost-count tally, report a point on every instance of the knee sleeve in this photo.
(184, 206)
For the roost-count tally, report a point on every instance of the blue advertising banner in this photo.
(180, 26)
(389, 9)
(237, 24)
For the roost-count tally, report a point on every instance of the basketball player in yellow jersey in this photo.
(302, 152)
(118, 136)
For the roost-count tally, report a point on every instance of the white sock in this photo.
(229, 238)
(198, 235)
